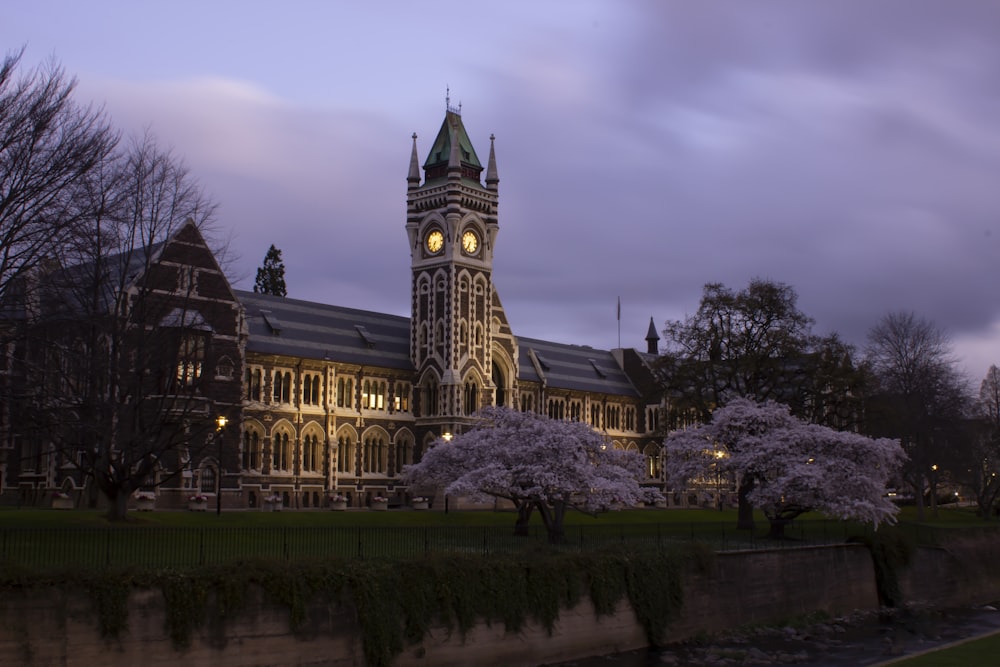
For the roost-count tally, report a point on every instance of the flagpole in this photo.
(619, 322)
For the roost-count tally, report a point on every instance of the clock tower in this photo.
(460, 343)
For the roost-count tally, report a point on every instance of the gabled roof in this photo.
(279, 325)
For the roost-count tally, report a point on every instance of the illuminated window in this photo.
(190, 359)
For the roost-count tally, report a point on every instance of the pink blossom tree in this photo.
(536, 463)
(790, 466)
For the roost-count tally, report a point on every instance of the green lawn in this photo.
(52, 538)
(984, 651)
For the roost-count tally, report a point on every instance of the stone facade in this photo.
(322, 399)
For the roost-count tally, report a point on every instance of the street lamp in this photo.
(220, 427)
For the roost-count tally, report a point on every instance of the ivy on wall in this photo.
(396, 602)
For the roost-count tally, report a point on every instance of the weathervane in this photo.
(447, 102)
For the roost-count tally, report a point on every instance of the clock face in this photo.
(435, 241)
(470, 242)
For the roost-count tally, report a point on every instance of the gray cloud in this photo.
(849, 149)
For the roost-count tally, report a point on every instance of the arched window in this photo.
(403, 455)
(312, 454)
(500, 397)
(252, 450)
(375, 454)
(430, 397)
(345, 393)
(255, 380)
(345, 454)
(652, 454)
(281, 452)
(439, 339)
(470, 398)
(208, 480)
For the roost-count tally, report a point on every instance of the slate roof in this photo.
(574, 367)
(279, 325)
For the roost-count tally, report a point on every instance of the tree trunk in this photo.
(521, 526)
(744, 514)
(918, 497)
(118, 509)
(776, 531)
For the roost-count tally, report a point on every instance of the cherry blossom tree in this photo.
(536, 463)
(791, 466)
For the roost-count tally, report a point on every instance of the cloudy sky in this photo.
(850, 149)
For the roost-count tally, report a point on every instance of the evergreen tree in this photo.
(271, 276)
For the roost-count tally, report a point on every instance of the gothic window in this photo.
(652, 418)
(374, 454)
(312, 454)
(652, 454)
(527, 402)
(224, 368)
(207, 479)
(252, 451)
(612, 417)
(190, 359)
(401, 399)
(470, 398)
(310, 389)
(403, 454)
(345, 454)
(282, 387)
(429, 404)
(255, 382)
(281, 452)
(575, 411)
(595, 416)
(501, 386)
(345, 393)
(373, 395)
(439, 339)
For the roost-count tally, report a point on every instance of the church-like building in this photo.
(334, 400)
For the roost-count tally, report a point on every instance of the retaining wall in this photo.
(53, 628)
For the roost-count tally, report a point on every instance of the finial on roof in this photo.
(447, 102)
(413, 178)
(652, 338)
(492, 178)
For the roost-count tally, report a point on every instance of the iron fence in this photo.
(180, 547)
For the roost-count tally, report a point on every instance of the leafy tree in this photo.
(919, 397)
(50, 149)
(756, 344)
(271, 276)
(535, 463)
(790, 466)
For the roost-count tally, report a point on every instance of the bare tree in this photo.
(982, 460)
(920, 396)
(121, 344)
(49, 149)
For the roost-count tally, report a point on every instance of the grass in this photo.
(52, 538)
(982, 651)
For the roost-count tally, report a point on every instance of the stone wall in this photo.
(761, 587)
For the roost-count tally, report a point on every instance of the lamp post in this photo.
(220, 427)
